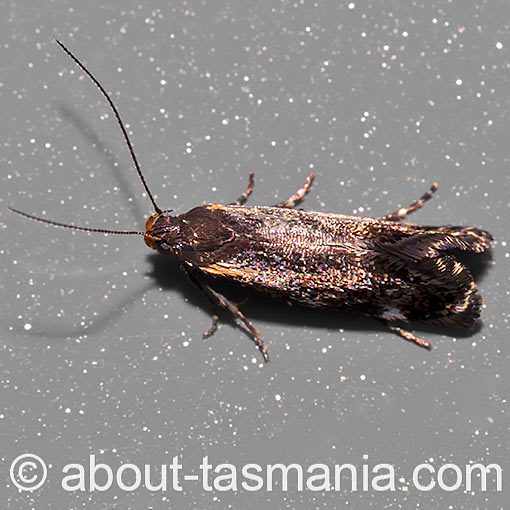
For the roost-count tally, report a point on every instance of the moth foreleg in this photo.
(219, 300)
(247, 192)
(299, 195)
(401, 213)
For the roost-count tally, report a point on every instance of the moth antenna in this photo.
(84, 229)
(119, 120)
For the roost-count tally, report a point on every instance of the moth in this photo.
(393, 271)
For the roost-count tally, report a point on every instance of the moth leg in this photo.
(247, 192)
(213, 328)
(299, 195)
(192, 275)
(219, 300)
(410, 336)
(404, 211)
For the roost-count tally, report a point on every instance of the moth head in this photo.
(161, 231)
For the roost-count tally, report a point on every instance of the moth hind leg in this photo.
(218, 300)
(401, 213)
(411, 337)
(407, 335)
(247, 192)
(300, 194)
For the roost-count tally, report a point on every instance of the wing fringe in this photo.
(444, 289)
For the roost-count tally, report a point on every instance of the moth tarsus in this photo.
(381, 267)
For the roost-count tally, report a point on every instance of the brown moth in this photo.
(381, 267)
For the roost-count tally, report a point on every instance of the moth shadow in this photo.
(100, 323)
(259, 307)
(124, 180)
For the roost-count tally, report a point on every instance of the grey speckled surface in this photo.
(101, 340)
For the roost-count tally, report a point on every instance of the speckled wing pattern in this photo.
(390, 270)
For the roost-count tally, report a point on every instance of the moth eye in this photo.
(164, 246)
